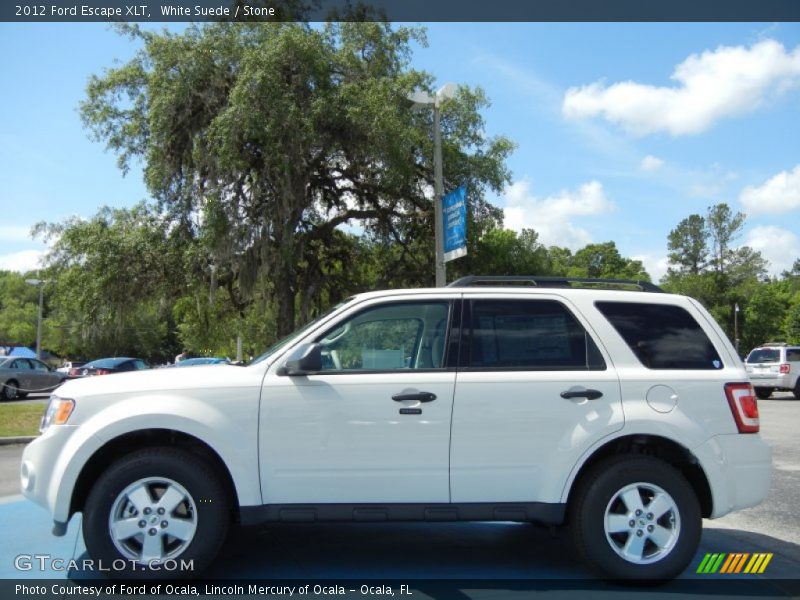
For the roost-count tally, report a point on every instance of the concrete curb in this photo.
(24, 439)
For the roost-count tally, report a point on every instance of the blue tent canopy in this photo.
(22, 352)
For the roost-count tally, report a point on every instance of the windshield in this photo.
(764, 355)
(297, 333)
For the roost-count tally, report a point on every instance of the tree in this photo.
(705, 264)
(605, 261)
(278, 134)
(688, 248)
(114, 278)
(19, 310)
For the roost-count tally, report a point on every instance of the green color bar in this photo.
(717, 564)
(701, 568)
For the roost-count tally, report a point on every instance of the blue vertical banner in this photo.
(454, 219)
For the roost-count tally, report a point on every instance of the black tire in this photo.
(797, 389)
(205, 505)
(21, 395)
(593, 499)
(10, 390)
(763, 393)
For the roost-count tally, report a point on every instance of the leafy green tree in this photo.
(705, 264)
(765, 315)
(504, 252)
(688, 246)
(277, 134)
(19, 310)
(113, 279)
(605, 261)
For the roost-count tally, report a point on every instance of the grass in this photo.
(20, 419)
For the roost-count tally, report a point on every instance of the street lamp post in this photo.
(40, 283)
(736, 327)
(420, 99)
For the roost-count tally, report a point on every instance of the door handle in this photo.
(420, 396)
(582, 393)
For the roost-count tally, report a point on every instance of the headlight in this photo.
(57, 412)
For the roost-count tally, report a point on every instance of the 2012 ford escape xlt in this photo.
(626, 414)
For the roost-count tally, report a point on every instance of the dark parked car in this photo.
(22, 376)
(106, 366)
(204, 360)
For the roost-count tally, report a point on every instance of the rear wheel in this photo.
(636, 517)
(156, 509)
(797, 389)
(763, 393)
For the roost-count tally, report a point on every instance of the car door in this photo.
(533, 393)
(373, 425)
(23, 373)
(42, 379)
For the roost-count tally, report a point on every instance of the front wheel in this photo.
(156, 513)
(636, 517)
(10, 390)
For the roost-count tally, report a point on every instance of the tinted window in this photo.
(395, 336)
(764, 355)
(39, 366)
(22, 364)
(792, 354)
(662, 336)
(529, 334)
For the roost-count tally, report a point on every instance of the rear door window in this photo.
(662, 336)
(540, 335)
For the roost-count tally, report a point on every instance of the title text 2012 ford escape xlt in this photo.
(626, 414)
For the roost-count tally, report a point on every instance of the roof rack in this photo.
(553, 282)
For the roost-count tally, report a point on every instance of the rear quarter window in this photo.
(662, 336)
(792, 354)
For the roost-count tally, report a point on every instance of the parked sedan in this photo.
(106, 366)
(203, 360)
(22, 376)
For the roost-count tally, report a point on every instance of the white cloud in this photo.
(779, 246)
(779, 194)
(726, 82)
(551, 217)
(656, 265)
(24, 260)
(651, 163)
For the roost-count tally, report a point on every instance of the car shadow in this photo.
(459, 560)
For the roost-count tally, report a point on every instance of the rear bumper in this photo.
(739, 471)
(771, 380)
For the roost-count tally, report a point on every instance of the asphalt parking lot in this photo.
(468, 551)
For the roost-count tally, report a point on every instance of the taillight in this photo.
(744, 406)
(784, 368)
(74, 372)
(102, 372)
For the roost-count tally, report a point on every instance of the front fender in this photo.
(228, 427)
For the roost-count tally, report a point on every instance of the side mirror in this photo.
(305, 360)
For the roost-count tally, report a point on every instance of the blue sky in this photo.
(622, 129)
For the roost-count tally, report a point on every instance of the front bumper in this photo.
(739, 471)
(43, 477)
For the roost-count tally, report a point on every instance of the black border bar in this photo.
(399, 10)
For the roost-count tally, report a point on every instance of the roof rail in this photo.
(553, 282)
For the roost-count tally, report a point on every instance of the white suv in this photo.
(774, 366)
(626, 414)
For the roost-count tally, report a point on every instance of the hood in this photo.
(203, 376)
